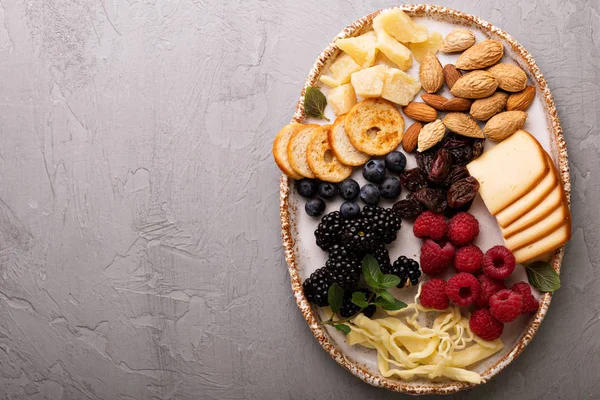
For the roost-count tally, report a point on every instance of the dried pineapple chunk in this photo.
(343, 68)
(432, 44)
(401, 26)
(329, 81)
(361, 48)
(398, 53)
(399, 87)
(342, 99)
(369, 81)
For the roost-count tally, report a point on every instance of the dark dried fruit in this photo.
(413, 179)
(441, 166)
(425, 160)
(462, 155)
(456, 173)
(453, 141)
(462, 192)
(477, 147)
(408, 208)
(432, 199)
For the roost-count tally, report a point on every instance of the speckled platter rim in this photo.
(560, 149)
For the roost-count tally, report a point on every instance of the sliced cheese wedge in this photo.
(509, 170)
(539, 230)
(545, 245)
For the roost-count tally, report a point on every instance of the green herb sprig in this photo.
(315, 103)
(542, 276)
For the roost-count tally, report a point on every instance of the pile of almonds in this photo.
(488, 91)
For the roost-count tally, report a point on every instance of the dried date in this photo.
(457, 172)
(462, 155)
(413, 179)
(477, 148)
(462, 192)
(440, 166)
(408, 208)
(425, 160)
(432, 199)
(453, 141)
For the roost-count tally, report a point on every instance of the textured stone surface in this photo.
(140, 255)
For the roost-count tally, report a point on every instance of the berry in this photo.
(307, 187)
(348, 308)
(315, 207)
(433, 295)
(430, 225)
(484, 325)
(374, 171)
(317, 286)
(349, 189)
(489, 286)
(382, 256)
(463, 289)
(384, 222)
(506, 305)
(395, 162)
(498, 262)
(390, 188)
(349, 209)
(327, 190)
(358, 236)
(329, 230)
(468, 259)
(434, 258)
(404, 268)
(370, 194)
(344, 266)
(530, 303)
(463, 228)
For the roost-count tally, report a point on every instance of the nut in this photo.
(434, 100)
(481, 55)
(484, 109)
(430, 73)
(420, 112)
(502, 125)
(457, 40)
(510, 77)
(462, 124)
(457, 104)
(411, 137)
(451, 75)
(475, 85)
(520, 101)
(431, 134)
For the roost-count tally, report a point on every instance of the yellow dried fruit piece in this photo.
(431, 45)
(342, 99)
(329, 81)
(399, 87)
(343, 68)
(361, 48)
(395, 51)
(369, 81)
(398, 24)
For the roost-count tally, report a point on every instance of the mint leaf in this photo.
(371, 271)
(335, 296)
(387, 296)
(389, 302)
(396, 305)
(389, 281)
(343, 328)
(315, 103)
(359, 299)
(542, 276)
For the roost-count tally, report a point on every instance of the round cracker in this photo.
(341, 146)
(296, 150)
(322, 160)
(280, 150)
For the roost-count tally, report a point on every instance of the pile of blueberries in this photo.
(374, 171)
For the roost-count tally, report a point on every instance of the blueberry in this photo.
(370, 194)
(349, 209)
(307, 187)
(349, 189)
(315, 207)
(395, 161)
(374, 171)
(327, 190)
(390, 188)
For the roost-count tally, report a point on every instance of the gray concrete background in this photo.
(140, 255)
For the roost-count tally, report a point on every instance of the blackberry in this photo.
(382, 256)
(317, 286)
(329, 229)
(384, 222)
(348, 308)
(406, 269)
(358, 236)
(344, 266)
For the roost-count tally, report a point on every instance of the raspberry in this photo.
(489, 286)
(434, 258)
(433, 294)
(530, 303)
(468, 259)
(463, 228)
(463, 289)
(484, 325)
(430, 225)
(506, 305)
(498, 262)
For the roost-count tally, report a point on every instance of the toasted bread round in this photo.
(342, 147)
(322, 160)
(375, 126)
(280, 150)
(296, 150)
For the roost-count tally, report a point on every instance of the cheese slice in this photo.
(539, 230)
(545, 245)
(509, 170)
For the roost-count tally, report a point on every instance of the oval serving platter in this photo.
(304, 257)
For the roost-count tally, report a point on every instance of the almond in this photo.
(457, 104)
(509, 76)
(522, 100)
(475, 85)
(457, 40)
(484, 109)
(434, 100)
(411, 137)
(481, 55)
(430, 73)
(431, 134)
(420, 112)
(451, 75)
(502, 125)
(463, 125)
